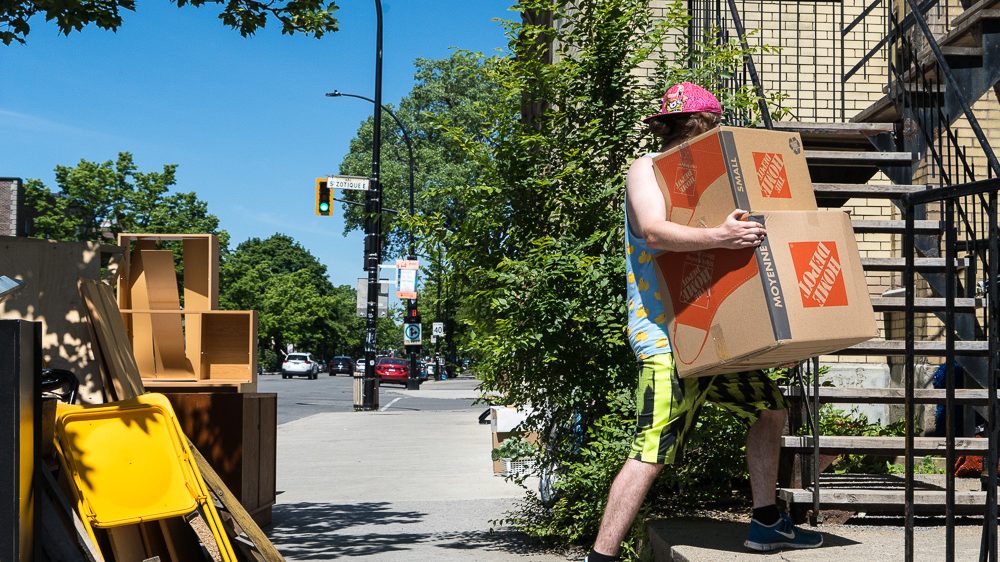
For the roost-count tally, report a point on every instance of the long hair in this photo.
(675, 129)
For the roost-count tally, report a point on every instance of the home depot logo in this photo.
(771, 175)
(686, 178)
(819, 273)
(696, 278)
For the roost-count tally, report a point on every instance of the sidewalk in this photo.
(401, 484)
(706, 540)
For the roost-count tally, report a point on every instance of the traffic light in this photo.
(324, 198)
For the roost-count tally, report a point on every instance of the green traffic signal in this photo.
(324, 198)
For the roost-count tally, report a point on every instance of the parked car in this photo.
(392, 369)
(299, 365)
(341, 364)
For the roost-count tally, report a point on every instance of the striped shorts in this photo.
(668, 406)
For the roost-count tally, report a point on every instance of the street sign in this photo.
(411, 334)
(434, 339)
(352, 183)
(383, 297)
(407, 278)
(437, 329)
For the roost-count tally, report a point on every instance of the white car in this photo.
(299, 365)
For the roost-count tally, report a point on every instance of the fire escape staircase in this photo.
(842, 158)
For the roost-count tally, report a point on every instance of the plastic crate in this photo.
(519, 467)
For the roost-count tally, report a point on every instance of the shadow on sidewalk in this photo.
(323, 531)
(309, 531)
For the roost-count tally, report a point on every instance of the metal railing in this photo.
(904, 55)
(983, 254)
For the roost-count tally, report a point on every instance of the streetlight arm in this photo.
(409, 148)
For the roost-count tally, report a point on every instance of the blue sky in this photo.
(245, 119)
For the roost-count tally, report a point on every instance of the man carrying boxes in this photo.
(731, 269)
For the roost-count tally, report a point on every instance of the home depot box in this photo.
(801, 293)
(727, 168)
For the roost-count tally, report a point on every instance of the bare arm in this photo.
(647, 216)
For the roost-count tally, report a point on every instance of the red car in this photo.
(392, 369)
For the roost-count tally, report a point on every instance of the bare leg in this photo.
(763, 449)
(628, 491)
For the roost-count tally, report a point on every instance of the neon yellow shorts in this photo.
(668, 406)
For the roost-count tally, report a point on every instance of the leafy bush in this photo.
(835, 421)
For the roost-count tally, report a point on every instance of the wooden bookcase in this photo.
(183, 343)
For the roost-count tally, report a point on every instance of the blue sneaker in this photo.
(783, 534)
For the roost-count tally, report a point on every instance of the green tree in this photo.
(448, 106)
(539, 250)
(295, 300)
(97, 201)
(309, 17)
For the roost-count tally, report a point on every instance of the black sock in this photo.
(768, 515)
(595, 556)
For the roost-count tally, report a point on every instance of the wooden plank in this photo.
(121, 346)
(167, 329)
(59, 500)
(268, 453)
(201, 271)
(181, 542)
(868, 496)
(849, 190)
(866, 129)
(884, 445)
(921, 264)
(854, 158)
(126, 543)
(838, 395)
(897, 226)
(154, 540)
(104, 341)
(922, 348)
(143, 348)
(250, 456)
(924, 304)
(240, 516)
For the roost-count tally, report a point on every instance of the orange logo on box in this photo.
(688, 172)
(698, 282)
(819, 273)
(771, 175)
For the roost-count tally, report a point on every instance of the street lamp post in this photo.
(373, 233)
(411, 307)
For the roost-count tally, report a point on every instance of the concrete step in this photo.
(889, 446)
(922, 348)
(837, 395)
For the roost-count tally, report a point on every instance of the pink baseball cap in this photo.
(686, 98)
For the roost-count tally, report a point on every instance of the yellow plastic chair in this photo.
(128, 462)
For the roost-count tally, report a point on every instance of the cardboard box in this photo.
(801, 293)
(727, 168)
(504, 421)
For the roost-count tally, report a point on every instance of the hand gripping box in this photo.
(727, 168)
(801, 293)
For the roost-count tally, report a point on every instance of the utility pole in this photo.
(373, 233)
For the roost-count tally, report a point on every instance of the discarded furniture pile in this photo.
(103, 469)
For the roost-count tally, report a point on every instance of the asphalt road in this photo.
(301, 397)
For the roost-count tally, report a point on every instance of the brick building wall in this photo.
(12, 212)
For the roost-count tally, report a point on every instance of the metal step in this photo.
(883, 445)
(965, 24)
(855, 158)
(921, 264)
(921, 348)
(898, 304)
(870, 191)
(838, 395)
(896, 226)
